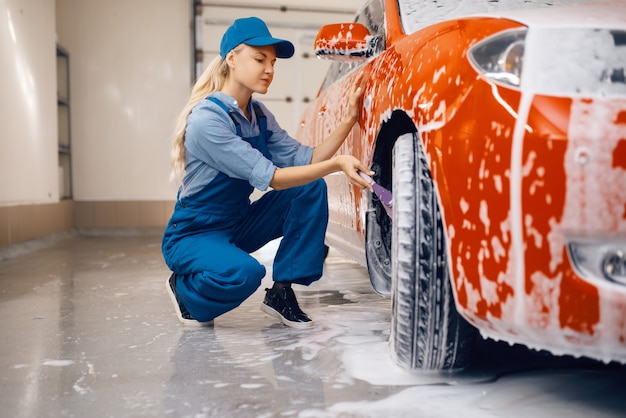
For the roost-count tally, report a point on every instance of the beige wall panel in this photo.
(84, 215)
(153, 213)
(105, 214)
(121, 214)
(24, 223)
(5, 221)
(127, 214)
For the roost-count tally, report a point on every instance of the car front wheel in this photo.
(427, 333)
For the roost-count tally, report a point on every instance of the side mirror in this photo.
(345, 42)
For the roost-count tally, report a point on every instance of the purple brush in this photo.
(385, 196)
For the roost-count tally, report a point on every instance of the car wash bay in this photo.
(88, 330)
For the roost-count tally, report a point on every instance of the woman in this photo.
(226, 144)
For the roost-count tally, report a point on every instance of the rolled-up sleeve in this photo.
(262, 174)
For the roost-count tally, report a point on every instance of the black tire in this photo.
(427, 332)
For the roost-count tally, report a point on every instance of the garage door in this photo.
(296, 80)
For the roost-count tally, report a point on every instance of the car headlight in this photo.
(606, 259)
(500, 57)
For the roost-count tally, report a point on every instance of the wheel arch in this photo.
(397, 125)
(378, 227)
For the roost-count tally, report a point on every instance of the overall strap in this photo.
(260, 116)
(261, 119)
(223, 106)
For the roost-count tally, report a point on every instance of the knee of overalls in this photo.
(232, 286)
(207, 295)
(252, 273)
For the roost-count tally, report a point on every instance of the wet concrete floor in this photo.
(88, 330)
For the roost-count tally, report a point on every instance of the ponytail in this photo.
(212, 79)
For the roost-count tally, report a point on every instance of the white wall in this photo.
(130, 76)
(28, 121)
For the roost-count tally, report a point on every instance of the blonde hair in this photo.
(212, 79)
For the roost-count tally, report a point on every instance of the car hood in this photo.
(579, 13)
(609, 15)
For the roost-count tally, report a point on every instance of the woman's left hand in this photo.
(354, 99)
(330, 145)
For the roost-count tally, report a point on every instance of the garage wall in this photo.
(29, 182)
(130, 74)
(131, 68)
(28, 102)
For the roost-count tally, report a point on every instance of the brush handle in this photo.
(383, 194)
(367, 178)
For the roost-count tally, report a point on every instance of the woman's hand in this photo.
(330, 145)
(298, 175)
(351, 166)
(354, 103)
(354, 97)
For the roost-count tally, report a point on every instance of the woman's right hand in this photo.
(351, 167)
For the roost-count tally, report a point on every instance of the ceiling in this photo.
(346, 6)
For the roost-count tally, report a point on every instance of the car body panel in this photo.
(519, 173)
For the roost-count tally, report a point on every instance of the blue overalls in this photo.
(211, 234)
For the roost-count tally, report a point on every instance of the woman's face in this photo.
(253, 67)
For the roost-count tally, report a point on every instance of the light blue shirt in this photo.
(213, 146)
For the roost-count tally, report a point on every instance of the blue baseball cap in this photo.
(254, 32)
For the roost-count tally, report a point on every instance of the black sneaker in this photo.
(283, 305)
(183, 315)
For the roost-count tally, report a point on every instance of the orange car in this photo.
(502, 135)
